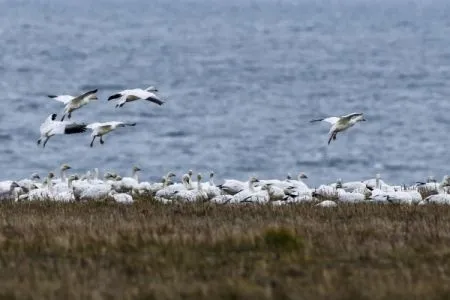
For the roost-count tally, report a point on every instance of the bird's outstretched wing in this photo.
(155, 99)
(331, 120)
(350, 116)
(80, 98)
(74, 128)
(62, 98)
(115, 96)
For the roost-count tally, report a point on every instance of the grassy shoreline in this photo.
(203, 251)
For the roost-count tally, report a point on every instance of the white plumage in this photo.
(136, 94)
(73, 103)
(339, 124)
(50, 127)
(100, 129)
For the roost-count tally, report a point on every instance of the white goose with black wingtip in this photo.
(246, 193)
(51, 127)
(131, 95)
(339, 124)
(73, 103)
(100, 129)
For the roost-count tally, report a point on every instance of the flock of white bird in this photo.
(113, 187)
(51, 126)
(90, 187)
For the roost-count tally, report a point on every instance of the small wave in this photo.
(177, 133)
(102, 86)
(5, 137)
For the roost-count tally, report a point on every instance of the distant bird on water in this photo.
(137, 94)
(50, 127)
(73, 103)
(342, 123)
(100, 129)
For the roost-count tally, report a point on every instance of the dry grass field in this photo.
(202, 251)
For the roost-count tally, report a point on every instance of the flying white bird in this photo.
(100, 129)
(73, 103)
(136, 94)
(342, 123)
(50, 127)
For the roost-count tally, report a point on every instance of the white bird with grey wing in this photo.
(247, 192)
(42, 193)
(339, 124)
(210, 187)
(120, 197)
(131, 95)
(128, 183)
(73, 103)
(30, 183)
(50, 127)
(169, 191)
(152, 188)
(11, 193)
(193, 195)
(233, 186)
(100, 129)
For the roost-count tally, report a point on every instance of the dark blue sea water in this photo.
(241, 78)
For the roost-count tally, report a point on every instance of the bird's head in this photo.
(65, 167)
(185, 178)
(73, 177)
(14, 185)
(171, 174)
(253, 179)
(151, 89)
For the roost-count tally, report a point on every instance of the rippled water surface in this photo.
(241, 78)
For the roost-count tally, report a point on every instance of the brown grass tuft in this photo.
(202, 251)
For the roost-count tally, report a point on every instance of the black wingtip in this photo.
(75, 128)
(154, 100)
(316, 120)
(52, 96)
(115, 96)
